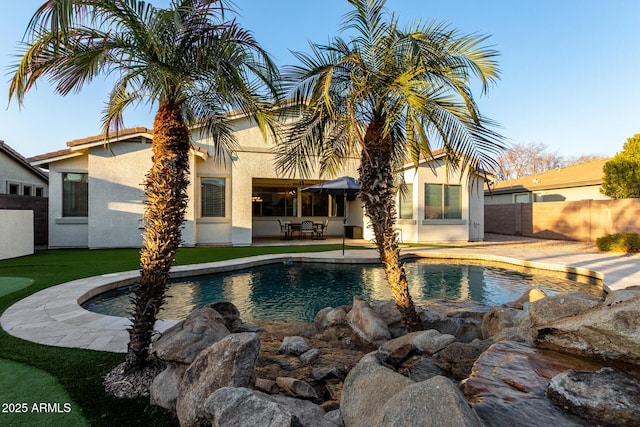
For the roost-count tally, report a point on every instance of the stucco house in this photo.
(440, 206)
(96, 195)
(23, 204)
(571, 183)
(18, 176)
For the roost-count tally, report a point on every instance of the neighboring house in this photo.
(18, 176)
(571, 183)
(96, 195)
(23, 205)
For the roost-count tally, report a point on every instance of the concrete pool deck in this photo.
(54, 317)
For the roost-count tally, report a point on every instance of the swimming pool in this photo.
(297, 291)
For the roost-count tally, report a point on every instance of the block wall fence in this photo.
(40, 208)
(583, 220)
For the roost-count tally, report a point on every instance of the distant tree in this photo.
(533, 158)
(574, 160)
(527, 159)
(621, 179)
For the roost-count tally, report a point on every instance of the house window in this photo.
(13, 188)
(405, 200)
(39, 191)
(314, 204)
(274, 201)
(283, 201)
(75, 194)
(27, 190)
(442, 201)
(521, 198)
(213, 197)
(322, 205)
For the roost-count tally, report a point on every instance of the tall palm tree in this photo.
(389, 95)
(189, 60)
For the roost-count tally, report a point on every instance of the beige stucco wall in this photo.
(210, 231)
(253, 159)
(498, 199)
(18, 225)
(11, 171)
(476, 211)
(419, 229)
(116, 194)
(117, 174)
(590, 192)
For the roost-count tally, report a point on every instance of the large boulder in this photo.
(366, 323)
(508, 383)
(236, 406)
(436, 402)
(330, 316)
(606, 397)
(375, 396)
(610, 332)
(550, 309)
(503, 323)
(421, 369)
(165, 386)
(184, 341)
(227, 363)
(428, 342)
(389, 312)
(366, 389)
(458, 357)
(529, 296)
(622, 295)
(464, 325)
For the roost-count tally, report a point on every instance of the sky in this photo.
(569, 68)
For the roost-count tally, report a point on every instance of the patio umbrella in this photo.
(345, 185)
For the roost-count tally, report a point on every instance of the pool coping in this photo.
(53, 316)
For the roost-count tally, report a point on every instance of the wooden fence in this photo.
(583, 220)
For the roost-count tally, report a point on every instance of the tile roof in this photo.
(579, 175)
(50, 155)
(100, 138)
(77, 144)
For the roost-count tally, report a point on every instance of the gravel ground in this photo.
(136, 384)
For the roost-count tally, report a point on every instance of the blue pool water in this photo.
(298, 291)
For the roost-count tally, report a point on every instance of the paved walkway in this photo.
(53, 316)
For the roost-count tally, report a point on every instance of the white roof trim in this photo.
(56, 159)
(109, 141)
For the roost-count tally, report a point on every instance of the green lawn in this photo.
(31, 397)
(11, 284)
(79, 372)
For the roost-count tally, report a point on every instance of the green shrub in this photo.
(620, 242)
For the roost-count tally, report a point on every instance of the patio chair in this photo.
(320, 229)
(285, 228)
(306, 228)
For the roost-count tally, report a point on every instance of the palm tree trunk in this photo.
(377, 191)
(166, 202)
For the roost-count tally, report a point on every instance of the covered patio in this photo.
(276, 201)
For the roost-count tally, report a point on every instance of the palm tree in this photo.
(389, 95)
(188, 59)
